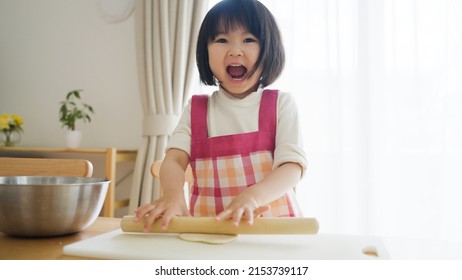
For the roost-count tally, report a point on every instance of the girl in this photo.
(242, 142)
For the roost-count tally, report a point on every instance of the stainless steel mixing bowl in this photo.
(37, 206)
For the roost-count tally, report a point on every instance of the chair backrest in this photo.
(45, 167)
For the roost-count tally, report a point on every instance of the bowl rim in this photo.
(79, 180)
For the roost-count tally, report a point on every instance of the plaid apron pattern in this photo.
(224, 166)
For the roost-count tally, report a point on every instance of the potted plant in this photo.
(10, 128)
(71, 110)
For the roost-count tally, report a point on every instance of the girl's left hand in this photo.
(242, 207)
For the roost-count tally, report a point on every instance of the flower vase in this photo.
(73, 139)
(10, 138)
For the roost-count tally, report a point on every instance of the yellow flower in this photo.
(4, 122)
(9, 122)
(18, 120)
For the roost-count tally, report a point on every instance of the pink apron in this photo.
(223, 166)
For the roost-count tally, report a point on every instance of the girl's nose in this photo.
(235, 50)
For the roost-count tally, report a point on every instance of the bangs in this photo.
(227, 18)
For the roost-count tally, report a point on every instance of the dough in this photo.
(208, 238)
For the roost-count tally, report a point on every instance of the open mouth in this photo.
(236, 72)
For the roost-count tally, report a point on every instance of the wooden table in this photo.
(112, 157)
(51, 248)
(17, 248)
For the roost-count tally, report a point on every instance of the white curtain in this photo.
(166, 32)
(379, 85)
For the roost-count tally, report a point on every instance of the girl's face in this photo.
(232, 56)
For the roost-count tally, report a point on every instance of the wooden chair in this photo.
(45, 167)
(189, 178)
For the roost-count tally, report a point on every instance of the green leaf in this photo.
(72, 110)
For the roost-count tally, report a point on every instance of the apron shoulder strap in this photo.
(268, 110)
(199, 116)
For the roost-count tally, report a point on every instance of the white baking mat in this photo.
(119, 245)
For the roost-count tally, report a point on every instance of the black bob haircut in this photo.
(256, 19)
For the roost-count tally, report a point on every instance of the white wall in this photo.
(50, 47)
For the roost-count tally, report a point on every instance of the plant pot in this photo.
(73, 139)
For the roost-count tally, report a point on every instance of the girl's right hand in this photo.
(172, 203)
(165, 208)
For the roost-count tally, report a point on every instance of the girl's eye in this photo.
(221, 40)
(250, 40)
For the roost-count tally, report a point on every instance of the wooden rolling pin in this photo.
(210, 225)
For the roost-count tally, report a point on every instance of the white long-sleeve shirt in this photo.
(228, 115)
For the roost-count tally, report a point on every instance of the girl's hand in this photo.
(166, 207)
(242, 207)
(172, 203)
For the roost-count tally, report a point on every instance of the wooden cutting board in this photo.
(120, 245)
